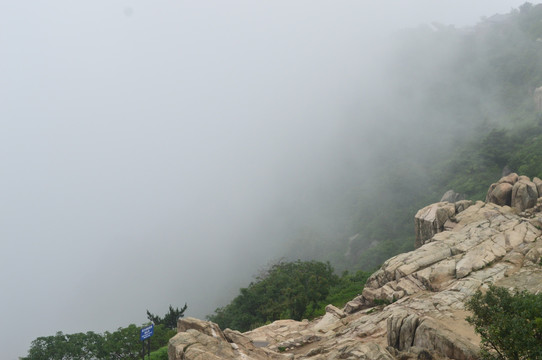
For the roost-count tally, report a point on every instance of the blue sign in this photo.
(146, 332)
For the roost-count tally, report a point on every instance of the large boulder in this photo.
(524, 194)
(431, 219)
(436, 218)
(538, 184)
(518, 192)
(437, 337)
(408, 330)
(500, 194)
(204, 340)
(511, 178)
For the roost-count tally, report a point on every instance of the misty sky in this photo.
(160, 152)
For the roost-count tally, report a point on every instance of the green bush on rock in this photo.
(510, 324)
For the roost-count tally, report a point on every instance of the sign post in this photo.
(145, 336)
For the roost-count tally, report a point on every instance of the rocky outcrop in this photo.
(412, 307)
(435, 218)
(518, 192)
(406, 331)
(500, 194)
(524, 194)
(198, 340)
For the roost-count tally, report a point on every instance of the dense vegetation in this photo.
(289, 290)
(462, 110)
(510, 324)
(124, 343)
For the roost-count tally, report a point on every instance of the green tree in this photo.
(84, 346)
(169, 320)
(510, 324)
(124, 343)
(160, 354)
(286, 290)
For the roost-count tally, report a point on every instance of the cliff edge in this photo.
(413, 306)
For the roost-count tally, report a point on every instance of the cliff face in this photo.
(411, 308)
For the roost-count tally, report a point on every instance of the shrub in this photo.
(510, 324)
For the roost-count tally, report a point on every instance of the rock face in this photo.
(435, 218)
(524, 195)
(197, 339)
(518, 192)
(411, 308)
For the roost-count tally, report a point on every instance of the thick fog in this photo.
(161, 152)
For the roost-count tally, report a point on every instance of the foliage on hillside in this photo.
(470, 103)
(288, 290)
(169, 320)
(510, 324)
(124, 343)
(160, 354)
(466, 96)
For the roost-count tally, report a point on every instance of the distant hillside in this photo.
(460, 111)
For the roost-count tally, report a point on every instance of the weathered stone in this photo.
(490, 191)
(431, 219)
(462, 205)
(538, 184)
(533, 255)
(192, 344)
(330, 320)
(424, 355)
(501, 194)
(198, 340)
(206, 327)
(354, 305)
(401, 328)
(434, 336)
(437, 275)
(510, 178)
(358, 350)
(524, 195)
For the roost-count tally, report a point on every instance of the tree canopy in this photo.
(123, 343)
(510, 324)
(288, 290)
(169, 320)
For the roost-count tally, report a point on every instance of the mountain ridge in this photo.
(411, 308)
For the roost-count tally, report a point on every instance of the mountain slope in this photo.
(458, 107)
(412, 307)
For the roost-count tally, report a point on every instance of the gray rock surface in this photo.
(500, 194)
(436, 218)
(524, 194)
(518, 192)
